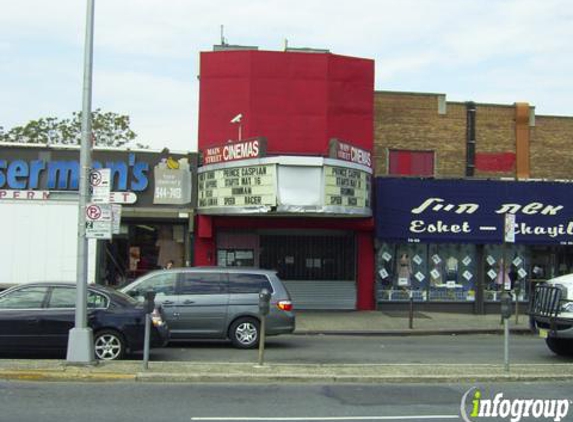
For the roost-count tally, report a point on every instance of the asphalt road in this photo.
(47, 402)
(461, 349)
(334, 349)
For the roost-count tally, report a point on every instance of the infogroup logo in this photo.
(474, 407)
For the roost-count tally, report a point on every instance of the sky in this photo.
(146, 52)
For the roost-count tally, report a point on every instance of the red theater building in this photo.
(285, 181)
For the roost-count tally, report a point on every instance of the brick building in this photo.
(447, 173)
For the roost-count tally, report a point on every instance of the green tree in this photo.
(108, 128)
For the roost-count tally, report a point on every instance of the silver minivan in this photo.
(218, 302)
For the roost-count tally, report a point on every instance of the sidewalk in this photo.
(397, 323)
(189, 372)
(308, 323)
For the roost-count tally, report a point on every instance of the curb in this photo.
(413, 332)
(49, 375)
(143, 377)
(213, 372)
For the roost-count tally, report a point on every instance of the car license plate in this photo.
(542, 333)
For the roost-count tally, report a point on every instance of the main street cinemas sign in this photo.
(343, 151)
(235, 151)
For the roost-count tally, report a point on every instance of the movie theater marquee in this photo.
(281, 184)
(249, 186)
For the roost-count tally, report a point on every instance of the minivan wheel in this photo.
(109, 345)
(244, 333)
(560, 346)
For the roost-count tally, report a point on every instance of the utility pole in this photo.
(80, 342)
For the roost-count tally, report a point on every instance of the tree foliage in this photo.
(108, 129)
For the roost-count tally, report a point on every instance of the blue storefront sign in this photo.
(472, 211)
(156, 178)
(64, 174)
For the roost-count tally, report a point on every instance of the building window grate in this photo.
(309, 257)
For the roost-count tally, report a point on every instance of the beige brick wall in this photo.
(411, 121)
(495, 133)
(551, 148)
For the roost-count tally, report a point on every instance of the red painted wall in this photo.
(365, 299)
(495, 161)
(298, 101)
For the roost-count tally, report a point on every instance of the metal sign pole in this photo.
(505, 319)
(80, 342)
(506, 344)
(505, 300)
(146, 341)
(262, 341)
(264, 309)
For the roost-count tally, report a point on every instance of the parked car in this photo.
(218, 302)
(39, 316)
(552, 312)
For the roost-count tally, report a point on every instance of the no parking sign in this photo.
(99, 218)
(100, 185)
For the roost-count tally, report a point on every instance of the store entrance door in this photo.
(141, 248)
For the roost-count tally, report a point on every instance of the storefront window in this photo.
(453, 272)
(443, 272)
(515, 272)
(141, 248)
(235, 258)
(401, 272)
(434, 272)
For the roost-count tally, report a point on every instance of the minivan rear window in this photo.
(248, 283)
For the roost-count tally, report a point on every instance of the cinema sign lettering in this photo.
(347, 152)
(250, 186)
(234, 151)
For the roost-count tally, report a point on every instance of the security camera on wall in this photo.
(237, 118)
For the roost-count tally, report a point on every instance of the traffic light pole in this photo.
(80, 341)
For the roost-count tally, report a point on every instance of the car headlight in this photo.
(567, 307)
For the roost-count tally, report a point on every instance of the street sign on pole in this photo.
(100, 183)
(509, 228)
(508, 237)
(115, 218)
(99, 221)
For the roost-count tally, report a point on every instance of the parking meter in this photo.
(264, 309)
(149, 301)
(505, 300)
(148, 307)
(264, 302)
